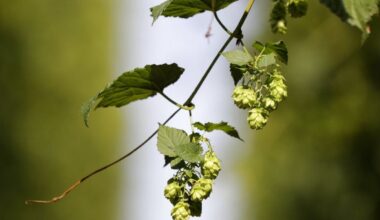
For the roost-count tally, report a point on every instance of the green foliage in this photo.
(357, 13)
(277, 49)
(263, 86)
(134, 85)
(195, 208)
(190, 152)
(238, 57)
(278, 17)
(297, 8)
(187, 8)
(221, 126)
(170, 138)
(237, 73)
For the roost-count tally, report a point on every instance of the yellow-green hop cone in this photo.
(244, 97)
(257, 118)
(269, 104)
(277, 87)
(281, 27)
(201, 189)
(278, 90)
(211, 165)
(297, 8)
(181, 211)
(172, 190)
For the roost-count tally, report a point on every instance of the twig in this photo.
(78, 182)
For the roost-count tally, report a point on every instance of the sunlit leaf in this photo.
(190, 152)
(170, 138)
(238, 57)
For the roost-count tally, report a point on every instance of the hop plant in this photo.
(211, 165)
(269, 104)
(297, 8)
(181, 211)
(281, 26)
(277, 87)
(257, 118)
(201, 189)
(278, 17)
(172, 190)
(244, 97)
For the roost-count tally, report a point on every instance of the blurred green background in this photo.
(318, 158)
(53, 56)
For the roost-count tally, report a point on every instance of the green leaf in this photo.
(221, 126)
(134, 85)
(190, 152)
(266, 60)
(238, 57)
(169, 138)
(87, 107)
(189, 173)
(195, 208)
(159, 9)
(357, 13)
(278, 17)
(186, 8)
(278, 49)
(236, 73)
(175, 162)
(337, 8)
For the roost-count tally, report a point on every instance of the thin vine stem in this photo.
(187, 108)
(221, 23)
(76, 184)
(187, 103)
(239, 37)
(236, 31)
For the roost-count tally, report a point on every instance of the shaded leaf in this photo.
(297, 8)
(195, 208)
(337, 8)
(134, 85)
(169, 138)
(186, 8)
(190, 152)
(279, 49)
(189, 173)
(177, 163)
(236, 73)
(221, 126)
(238, 57)
(278, 17)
